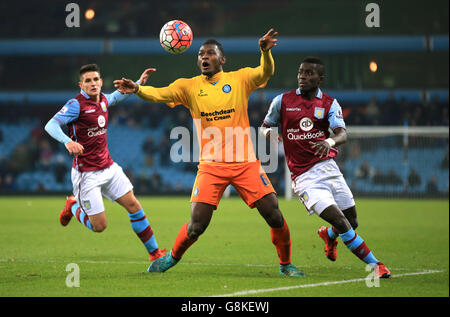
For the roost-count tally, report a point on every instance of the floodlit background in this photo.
(391, 80)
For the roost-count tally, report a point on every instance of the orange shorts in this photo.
(249, 180)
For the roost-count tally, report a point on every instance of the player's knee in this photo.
(268, 208)
(196, 229)
(342, 224)
(275, 219)
(353, 223)
(99, 227)
(134, 206)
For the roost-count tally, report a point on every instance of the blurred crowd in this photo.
(37, 152)
(392, 112)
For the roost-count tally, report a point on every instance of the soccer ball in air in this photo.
(175, 36)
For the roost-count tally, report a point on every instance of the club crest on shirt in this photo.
(103, 106)
(319, 112)
(226, 88)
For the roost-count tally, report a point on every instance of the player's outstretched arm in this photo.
(266, 68)
(145, 75)
(126, 86)
(147, 93)
(118, 96)
(268, 41)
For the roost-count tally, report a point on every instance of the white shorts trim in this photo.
(89, 187)
(321, 186)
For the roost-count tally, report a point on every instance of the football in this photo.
(175, 36)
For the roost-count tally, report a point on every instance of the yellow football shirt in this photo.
(218, 106)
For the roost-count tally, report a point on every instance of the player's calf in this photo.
(196, 229)
(350, 214)
(141, 227)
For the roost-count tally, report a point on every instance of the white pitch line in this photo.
(181, 263)
(287, 288)
(131, 262)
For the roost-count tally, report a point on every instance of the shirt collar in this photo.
(85, 94)
(216, 77)
(318, 95)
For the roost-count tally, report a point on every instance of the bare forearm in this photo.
(340, 136)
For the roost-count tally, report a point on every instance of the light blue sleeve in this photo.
(69, 112)
(273, 115)
(117, 97)
(53, 128)
(335, 116)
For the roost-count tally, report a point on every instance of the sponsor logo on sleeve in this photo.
(63, 110)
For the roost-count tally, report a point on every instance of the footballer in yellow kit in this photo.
(218, 103)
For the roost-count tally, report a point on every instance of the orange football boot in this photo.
(382, 271)
(156, 254)
(66, 214)
(330, 245)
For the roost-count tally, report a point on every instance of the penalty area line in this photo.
(287, 288)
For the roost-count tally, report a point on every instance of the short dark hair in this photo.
(214, 42)
(315, 60)
(89, 68)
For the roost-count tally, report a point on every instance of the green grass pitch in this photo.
(234, 257)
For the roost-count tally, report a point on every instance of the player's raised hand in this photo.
(126, 86)
(268, 40)
(74, 148)
(145, 75)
